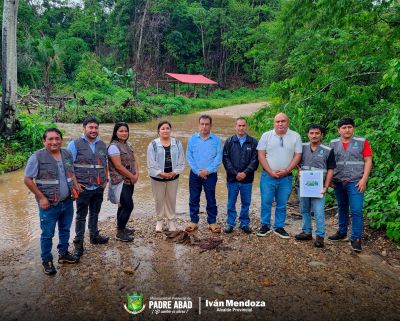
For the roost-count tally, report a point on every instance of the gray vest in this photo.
(349, 162)
(128, 160)
(316, 160)
(47, 179)
(90, 168)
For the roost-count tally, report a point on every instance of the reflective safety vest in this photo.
(47, 179)
(127, 160)
(90, 168)
(316, 160)
(349, 162)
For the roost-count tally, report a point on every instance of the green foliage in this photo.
(150, 37)
(71, 51)
(121, 105)
(324, 60)
(15, 150)
(91, 76)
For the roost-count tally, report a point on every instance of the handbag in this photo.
(114, 192)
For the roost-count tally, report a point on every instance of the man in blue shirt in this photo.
(90, 164)
(204, 155)
(50, 176)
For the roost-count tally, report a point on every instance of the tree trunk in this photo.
(141, 33)
(204, 48)
(9, 67)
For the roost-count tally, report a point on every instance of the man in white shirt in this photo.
(279, 151)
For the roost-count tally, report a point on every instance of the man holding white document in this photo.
(316, 172)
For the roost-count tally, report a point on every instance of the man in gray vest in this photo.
(353, 166)
(279, 151)
(49, 174)
(315, 156)
(90, 164)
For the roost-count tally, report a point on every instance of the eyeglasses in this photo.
(281, 140)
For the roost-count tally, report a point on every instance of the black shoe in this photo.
(356, 245)
(281, 233)
(48, 268)
(319, 242)
(303, 237)
(99, 239)
(68, 258)
(124, 237)
(264, 230)
(337, 237)
(129, 231)
(228, 229)
(78, 248)
(246, 229)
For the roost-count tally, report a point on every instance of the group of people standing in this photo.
(57, 176)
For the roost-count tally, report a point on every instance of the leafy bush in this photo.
(91, 76)
(15, 150)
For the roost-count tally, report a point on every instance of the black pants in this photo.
(126, 206)
(88, 200)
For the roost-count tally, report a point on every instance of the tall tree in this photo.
(9, 67)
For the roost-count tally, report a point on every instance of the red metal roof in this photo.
(192, 79)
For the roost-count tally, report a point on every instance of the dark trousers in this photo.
(196, 184)
(126, 206)
(88, 200)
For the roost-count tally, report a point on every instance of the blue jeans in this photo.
(196, 184)
(319, 214)
(278, 189)
(62, 215)
(347, 195)
(245, 196)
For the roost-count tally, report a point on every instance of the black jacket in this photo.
(238, 158)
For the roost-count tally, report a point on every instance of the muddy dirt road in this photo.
(289, 280)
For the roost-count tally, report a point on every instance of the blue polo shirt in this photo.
(204, 153)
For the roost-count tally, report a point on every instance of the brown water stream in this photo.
(19, 222)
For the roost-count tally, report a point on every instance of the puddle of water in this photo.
(19, 222)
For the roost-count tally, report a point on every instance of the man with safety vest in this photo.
(49, 174)
(353, 166)
(90, 165)
(315, 157)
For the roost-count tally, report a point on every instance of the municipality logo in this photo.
(134, 304)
